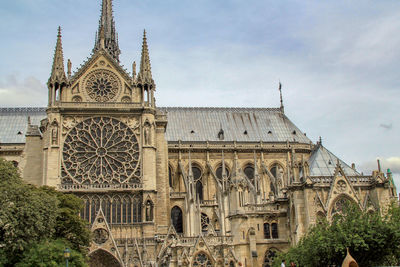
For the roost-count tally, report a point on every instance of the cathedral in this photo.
(177, 186)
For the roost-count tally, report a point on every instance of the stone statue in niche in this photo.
(147, 133)
(149, 211)
(54, 133)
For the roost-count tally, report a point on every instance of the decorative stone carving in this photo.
(102, 86)
(54, 133)
(101, 150)
(147, 133)
(100, 236)
(341, 186)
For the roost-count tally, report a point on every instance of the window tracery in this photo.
(202, 260)
(102, 86)
(218, 173)
(117, 208)
(269, 257)
(205, 222)
(101, 150)
(197, 174)
(249, 172)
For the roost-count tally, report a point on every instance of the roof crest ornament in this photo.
(282, 108)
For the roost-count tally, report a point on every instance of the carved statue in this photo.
(54, 133)
(147, 134)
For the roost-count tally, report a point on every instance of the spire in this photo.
(280, 93)
(144, 76)
(57, 70)
(106, 36)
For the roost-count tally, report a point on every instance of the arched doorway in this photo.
(102, 258)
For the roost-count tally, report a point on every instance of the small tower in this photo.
(58, 80)
(144, 79)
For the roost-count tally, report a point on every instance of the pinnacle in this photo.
(145, 66)
(57, 71)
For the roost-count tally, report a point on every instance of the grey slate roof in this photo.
(322, 162)
(202, 124)
(14, 123)
(185, 124)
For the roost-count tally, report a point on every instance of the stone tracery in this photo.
(102, 86)
(101, 150)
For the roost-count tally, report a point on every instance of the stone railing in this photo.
(97, 187)
(363, 179)
(96, 105)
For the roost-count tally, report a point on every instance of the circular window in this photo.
(102, 86)
(101, 150)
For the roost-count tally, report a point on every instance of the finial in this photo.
(69, 68)
(320, 140)
(134, 70)
(144, 76)
(280, 93)
(29, 120)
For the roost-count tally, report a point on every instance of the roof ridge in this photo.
(225, 108)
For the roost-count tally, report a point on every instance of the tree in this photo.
(51, 253)
(30, 215)
(373, 239)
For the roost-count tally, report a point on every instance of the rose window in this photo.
(201, 260)
(102, 86)
(101, 150)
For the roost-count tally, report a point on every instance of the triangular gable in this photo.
(90, 62)
(341, 186)
(202, 245)
(102, 236)
(368, 203)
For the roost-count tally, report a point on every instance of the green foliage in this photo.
(372, 239)
(29, 215)
(51, 253)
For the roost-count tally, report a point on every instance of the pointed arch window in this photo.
(269, 257)
(249, 172)
(197, 174)
(205, 222)
(177, 220)
(218, 173)
(267, 231)
(274, 230)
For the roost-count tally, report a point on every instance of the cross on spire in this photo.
(106, 36)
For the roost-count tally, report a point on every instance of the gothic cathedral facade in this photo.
(175, 187)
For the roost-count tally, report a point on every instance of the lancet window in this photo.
(117, 209)
(249, 172)
(198, 182)
(177, 220)
(218, 173)
(269, 257)
(271, 231)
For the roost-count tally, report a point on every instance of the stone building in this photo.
(176, 186)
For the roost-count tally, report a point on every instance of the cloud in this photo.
(392, 163)
(386, 126)
(28, 91)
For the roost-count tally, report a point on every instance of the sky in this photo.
(338, 60)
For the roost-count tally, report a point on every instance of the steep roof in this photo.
(185, 124)
(14, 123)
(322, 162)
(238, 124)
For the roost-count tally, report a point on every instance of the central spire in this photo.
(106, 36)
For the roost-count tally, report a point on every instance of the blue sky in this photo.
(338, 60)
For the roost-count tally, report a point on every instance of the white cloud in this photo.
(25, 92)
